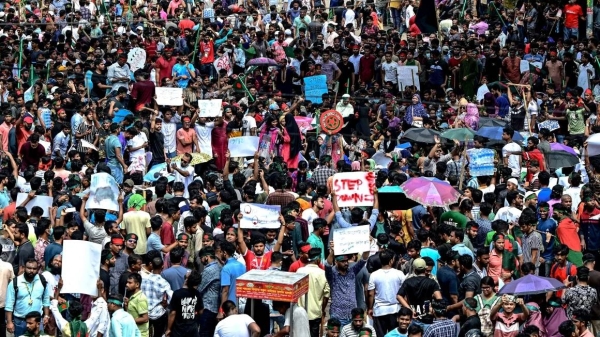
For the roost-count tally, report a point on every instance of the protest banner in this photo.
(354, 188)
(524, 66)
(260, 216)
(223, 63)
(381, 160)
(314, 88)
(210, 107)
(169, 96)
(78, 277)
(244, 146)
(551, 125)
(42, 201)
(408, 75)
(304, 123)
(104, 192)
(355, 239)
(136, 58)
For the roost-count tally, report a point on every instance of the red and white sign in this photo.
(354, 188)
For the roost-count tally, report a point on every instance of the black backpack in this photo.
(16, 286)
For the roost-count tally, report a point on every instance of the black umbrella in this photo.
(487, 121)
(558, 159)
(392, 198)
(421, 135)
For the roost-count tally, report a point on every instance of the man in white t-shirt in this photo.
(511, 213)
(511, 153)
(249, 123)
(312, 213)
(204, 132)
(389, 69)
(184, 172)
(300, 324)
(169, 130)
(236, 325)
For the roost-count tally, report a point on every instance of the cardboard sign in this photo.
(244, 146)
(42, 201)
(272, 285)
(257, 216)
(210, 107)
(351, 240)
(224, 63)
(408, 75)
(104, 192)
(80, 278)
(354, 188)
(551, 125)
(315, 87)
(169, 96)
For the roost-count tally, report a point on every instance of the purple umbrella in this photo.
(430, 191)
(531, 285)
(262, 61)
(562, 147)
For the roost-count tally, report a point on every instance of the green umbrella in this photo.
(460, 134)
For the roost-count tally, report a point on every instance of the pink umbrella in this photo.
(430, 192)
(562, 147)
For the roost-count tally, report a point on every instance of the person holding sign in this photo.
(257, 258)
(356, 214)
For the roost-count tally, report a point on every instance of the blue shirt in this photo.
(544, 195)
(463, 250)
(61, 143)
(503, 106)
(122, 324)
(448, 282)
(33, 293)
(230, 272)
(343, 290)
(4, 198)
(548, 225)
(432, 254)
(154, 243)
(396, 333)
(111, 144)
(181, 70)
(345, 224)
(175, 276)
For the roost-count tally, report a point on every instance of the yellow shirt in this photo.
(137, 306)
(137, 222)
(318, 288)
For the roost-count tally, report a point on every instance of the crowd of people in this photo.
(78, 97)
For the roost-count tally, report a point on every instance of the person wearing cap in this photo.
(318, 290)
(339, 276)
(580, 297)
(382, 302)
(121, 320)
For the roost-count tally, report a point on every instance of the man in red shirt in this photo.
(256, 258)
(207, 55)
(563, 270)
(164, 65)
(573, 13)
(186, 23)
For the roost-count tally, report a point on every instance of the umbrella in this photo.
(430, 192)
(487, 121)
(460, 134)
(495, 132)
(120, 115)
(393, 198)
(262, 61)
(197, 158)
(421, 135)
(562, 147)
(157, 171)
(531, 285)
(558, 159)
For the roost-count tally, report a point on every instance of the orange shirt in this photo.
(186, 137)
(572, 14)
(494, 269)
(560, 273)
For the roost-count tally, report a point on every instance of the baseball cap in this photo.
(589, 257)
(419, 264)
(132, 236)
(129, 183)
(28, 120)
(183, 236)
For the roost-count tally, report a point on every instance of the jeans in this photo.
(21, 326)
(208, 323)
(396, 18)
(570, 32)
(547, 267)
(384, 324)
(280, 320)
(315, 327)
(208, 69)
(116, 170)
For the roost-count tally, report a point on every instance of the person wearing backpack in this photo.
(26, 293)
(485, 302)
(563, 270)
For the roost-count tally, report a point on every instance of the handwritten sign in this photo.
(104, 192)
(244, 146)
(224, 63)
(80, 278)
(136, 58)
(354, 188)
(408, 75)
(210, 107)
(315, 87)
(551, 125)
(260, 216)
(351, 240)
(169, 96)
(39, 200)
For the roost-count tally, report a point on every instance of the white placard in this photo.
(43, 201)
(408, 75)
(47, 146)
(80, 267)
(257, 216)
(381, 160)
(481, 91)
(210, 107)
(87, 144)
(354, 188)
(524, 66)
(244, 146)
(136, 59)
(169, 96)
(356, 239)
(104, 192)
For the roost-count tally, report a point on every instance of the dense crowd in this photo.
(491, 105)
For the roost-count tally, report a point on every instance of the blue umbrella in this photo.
(156, 172)
(120, 115)
(495, 132)
(531, 285)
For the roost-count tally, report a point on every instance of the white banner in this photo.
(42, 201)
(104, 192)
(408, 75)
(79, 277)
(260, 216)
(244, 146)
(210, 107)
(169, 96)
(354, 188)
(356, 239)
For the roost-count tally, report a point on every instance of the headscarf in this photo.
(415, 110)
(472, 116)
(294, 132)
(535, 318)
(552, 323)
(489, 101)
(136, 201)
